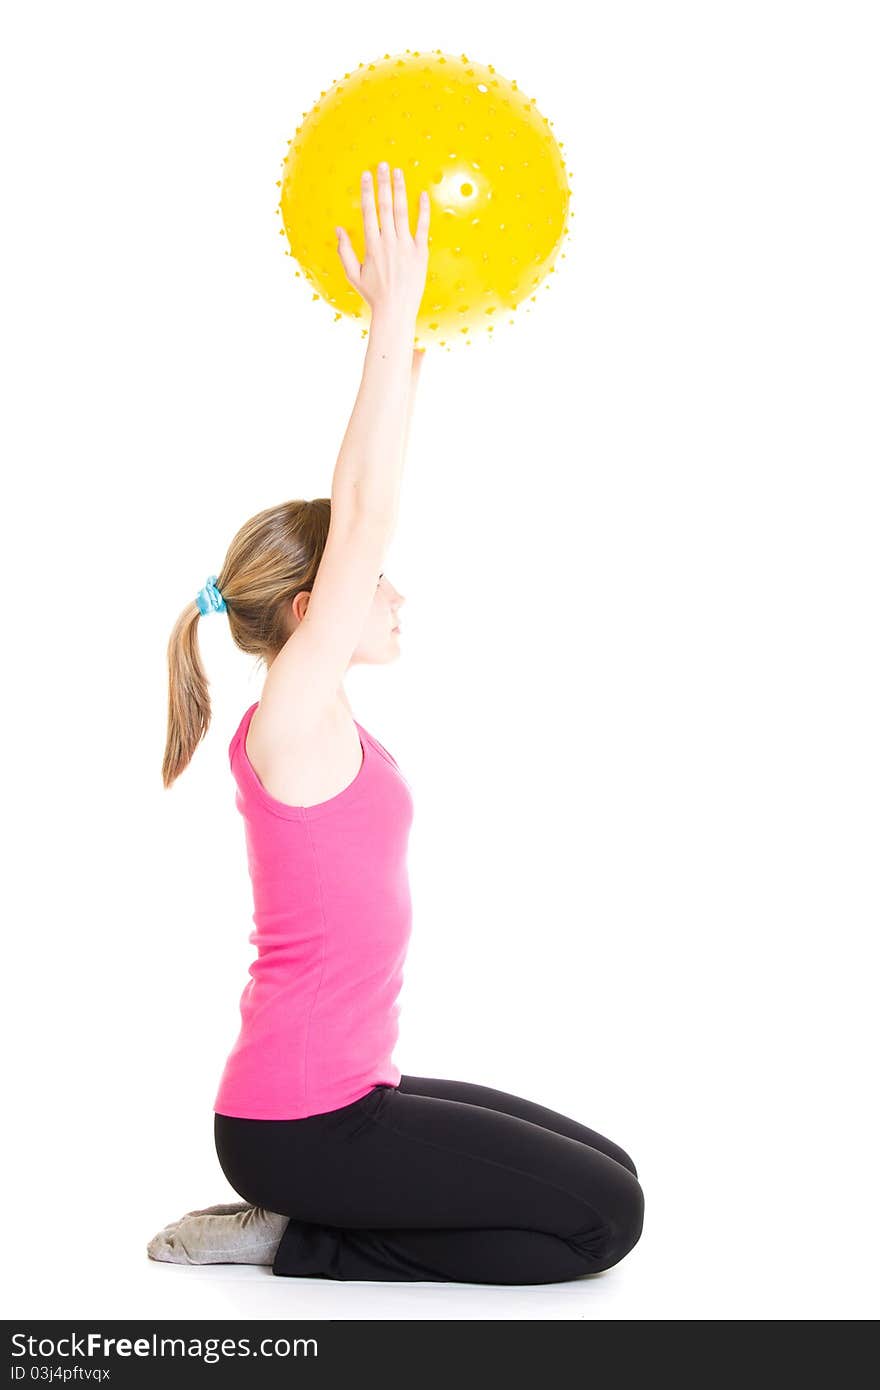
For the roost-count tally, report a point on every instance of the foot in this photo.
(221, 1209)
(250, 1236)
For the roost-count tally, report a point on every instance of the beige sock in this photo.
(249, 1236)
(221, 1209)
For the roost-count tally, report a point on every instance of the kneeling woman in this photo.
(349, 1169)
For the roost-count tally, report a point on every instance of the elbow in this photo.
(354, 510)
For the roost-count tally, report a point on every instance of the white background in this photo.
(638, 686)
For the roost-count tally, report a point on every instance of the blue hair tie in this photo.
(210, 599)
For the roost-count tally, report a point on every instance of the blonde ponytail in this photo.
(271, 559)
(189, 704)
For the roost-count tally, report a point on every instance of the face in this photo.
(379, 643)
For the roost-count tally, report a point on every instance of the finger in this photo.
(424, 219)
(401, 208)
(386, 211)
(368, 209)
(350, 263)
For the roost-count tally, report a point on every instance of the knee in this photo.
(614, 1225)
(624, 1224)
(623, 1158)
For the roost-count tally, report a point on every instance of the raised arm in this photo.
(392, 281)
(417, 358)
(303, 680)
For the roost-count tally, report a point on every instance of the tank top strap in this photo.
(241, 731)
(383, 751)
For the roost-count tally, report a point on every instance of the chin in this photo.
(382, 656)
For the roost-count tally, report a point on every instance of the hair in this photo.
(273, 557)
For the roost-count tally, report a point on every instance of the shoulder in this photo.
(293, 728)
(303, 763)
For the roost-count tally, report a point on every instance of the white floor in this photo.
(108, 1275)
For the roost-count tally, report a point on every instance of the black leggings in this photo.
(437, 1180)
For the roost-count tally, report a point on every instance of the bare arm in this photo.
(366, 481)
(303, 682)
(417, 358)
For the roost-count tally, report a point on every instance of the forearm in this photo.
(366, 480)
(417, 357)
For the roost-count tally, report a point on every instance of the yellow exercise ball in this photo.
(487, 158)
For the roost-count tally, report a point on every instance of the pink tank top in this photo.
(332, 919)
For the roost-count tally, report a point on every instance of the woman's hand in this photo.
(392, 277)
